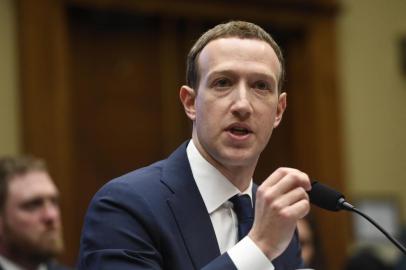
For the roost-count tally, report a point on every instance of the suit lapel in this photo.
(189, 210)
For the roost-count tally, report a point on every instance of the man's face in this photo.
(237, 104)
(31, 224)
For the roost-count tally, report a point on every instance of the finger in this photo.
(282, 172)
(291, 180)
(276, 176)
(291, 198)
(297, 210)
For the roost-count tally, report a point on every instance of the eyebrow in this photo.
(40, 198)
(231, 73)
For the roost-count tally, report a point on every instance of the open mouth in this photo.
(239, 130)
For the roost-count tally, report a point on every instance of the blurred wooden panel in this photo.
(46, 103)
(117, 112)
(117, 92)
(288, 13)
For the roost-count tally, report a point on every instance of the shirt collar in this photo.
(214, 187)
(9, 265)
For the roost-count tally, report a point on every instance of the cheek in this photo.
(265, 122)
(208, 112)
(267, 116)
(24, 222)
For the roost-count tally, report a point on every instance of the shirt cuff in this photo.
(246, 255)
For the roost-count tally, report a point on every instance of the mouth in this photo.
(239, 130)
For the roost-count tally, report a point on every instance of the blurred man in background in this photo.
(30, 221)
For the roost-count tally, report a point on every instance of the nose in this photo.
(241, 106)
(50, 213)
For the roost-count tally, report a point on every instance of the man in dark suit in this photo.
(194, 210)
(30, 222)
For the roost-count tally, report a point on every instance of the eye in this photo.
(262, 85)
(32, 205)
(222, 83)
(55, 201)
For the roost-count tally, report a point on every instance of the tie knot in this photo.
(242, 206)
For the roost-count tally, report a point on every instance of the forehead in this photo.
(226, 53)
(29, 185)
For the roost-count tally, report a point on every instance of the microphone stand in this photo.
(332, 200)
(347, 206)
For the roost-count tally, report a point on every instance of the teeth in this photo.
(239, 130)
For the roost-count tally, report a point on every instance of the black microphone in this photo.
(327, 198)
(332, 200)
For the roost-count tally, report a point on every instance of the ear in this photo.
(280, 109)
(187, 97)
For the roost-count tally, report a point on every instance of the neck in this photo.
(22, 260)
(239, 175)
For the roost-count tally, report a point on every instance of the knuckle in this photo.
(283, 171)
(305, 176)
(277, 207)
(261, 191)
(303, 193)
(286, 215)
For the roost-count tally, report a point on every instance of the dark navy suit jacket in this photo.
(155, 218)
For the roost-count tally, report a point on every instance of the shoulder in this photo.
(141, 195)
(143, 177)
(134, 188)
(151, 182)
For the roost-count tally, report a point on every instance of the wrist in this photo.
(267, 249)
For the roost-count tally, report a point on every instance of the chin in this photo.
(48, 252)
(51, 246)
(239, 159)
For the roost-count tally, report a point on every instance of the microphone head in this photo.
(325, 197)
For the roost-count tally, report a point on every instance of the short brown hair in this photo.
(239, 29)
(11, 167)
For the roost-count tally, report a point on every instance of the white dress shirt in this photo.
(6, 264)
(216, 190)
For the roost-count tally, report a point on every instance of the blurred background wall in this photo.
(372, 89)
(9, 102)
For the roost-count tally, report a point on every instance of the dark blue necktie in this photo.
(245, 213)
